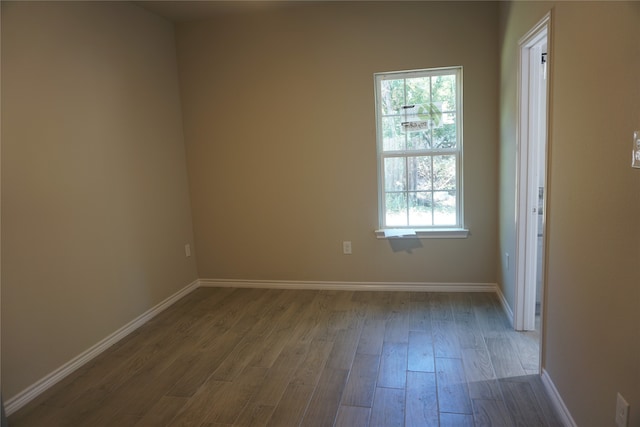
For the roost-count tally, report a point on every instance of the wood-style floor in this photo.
(258, 357)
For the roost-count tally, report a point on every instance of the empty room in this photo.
(343, 213)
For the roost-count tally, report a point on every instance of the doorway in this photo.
(532, 172)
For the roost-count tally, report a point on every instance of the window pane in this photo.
(444, 207)
(444, 135)
(392, 96)
(395, 177)
(419, 173)
(430, 112)
(418, 90)
(396, 209)
(444, 172)
(419, 140)
(420, 208)
(444, 90)
(418, 147)
(393, 137)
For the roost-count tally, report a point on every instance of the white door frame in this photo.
(532, 131)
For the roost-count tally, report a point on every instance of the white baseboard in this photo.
(39, 387)
(556, 399)
(351, 286)
(505, 305)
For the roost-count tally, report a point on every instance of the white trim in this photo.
(524, 314)
(434, 233)
(505, 305)
(532, 34)
(381, 154)
(351, 286)
(48, 381)
(556, 399)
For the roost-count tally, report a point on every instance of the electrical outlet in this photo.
(506, 255)
(346, 248)
(187, 250)
(622, 412)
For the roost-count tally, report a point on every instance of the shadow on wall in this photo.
(405, 245)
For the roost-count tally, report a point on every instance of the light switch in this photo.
(622, 412)
(635, 162)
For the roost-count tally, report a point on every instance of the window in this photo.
(419, 138)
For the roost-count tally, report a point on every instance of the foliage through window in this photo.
(419, 132)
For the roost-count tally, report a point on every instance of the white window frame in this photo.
(432, 231)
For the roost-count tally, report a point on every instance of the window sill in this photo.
(424, 233)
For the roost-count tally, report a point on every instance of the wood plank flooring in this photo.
(258, 357)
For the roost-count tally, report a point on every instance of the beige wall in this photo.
(280, 135)
(592, 335)
(280, 139)
(95, 207)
